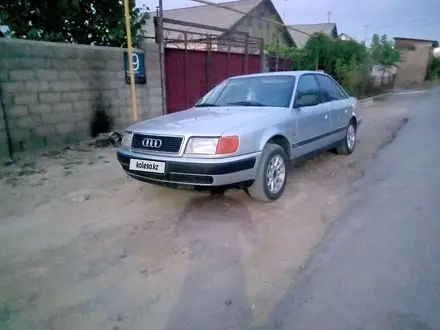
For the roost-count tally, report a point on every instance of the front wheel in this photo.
(348, 144)
(271, 176)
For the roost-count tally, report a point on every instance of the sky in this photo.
(395, 18)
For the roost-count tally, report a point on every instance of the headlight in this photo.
(213, 146)
(126, 139)
(202, 146)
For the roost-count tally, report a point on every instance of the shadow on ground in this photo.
(213, 294)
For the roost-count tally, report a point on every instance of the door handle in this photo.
(326, 117)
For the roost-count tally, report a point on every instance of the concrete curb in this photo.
(369, 101)
(371, 98)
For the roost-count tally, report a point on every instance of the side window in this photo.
(329, 88)
(307, 92)
(307, 85)
(341, 90)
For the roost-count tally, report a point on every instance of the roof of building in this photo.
(346, 35)
(433, 42)
(207, 15)
(309, 29)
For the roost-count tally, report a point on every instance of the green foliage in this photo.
(433, 72)
(97, 22)
(382, 51)
(348, 73)
(336, 57)
(299, 55)
(349, 62)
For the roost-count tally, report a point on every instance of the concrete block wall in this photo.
(50, 90)
(155, 100)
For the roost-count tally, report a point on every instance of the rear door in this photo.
(338, 103)
(313, 122)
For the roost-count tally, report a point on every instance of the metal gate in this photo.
(276, 63)
(200, 57)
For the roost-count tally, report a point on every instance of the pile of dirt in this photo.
(103, 140)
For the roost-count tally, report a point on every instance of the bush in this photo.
(433, 72)
(349, 62)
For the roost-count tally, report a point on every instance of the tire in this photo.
(259, 190)
(349, 143)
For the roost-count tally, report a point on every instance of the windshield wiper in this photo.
(205, 105)
(247, 104)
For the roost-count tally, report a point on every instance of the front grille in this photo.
(168, 143)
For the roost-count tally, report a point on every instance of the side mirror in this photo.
(306, 101)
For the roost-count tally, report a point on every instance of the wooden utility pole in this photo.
(328, 16)
(130, 61)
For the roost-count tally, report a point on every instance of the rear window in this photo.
(330, 88)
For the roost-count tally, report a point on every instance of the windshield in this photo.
(267, 91)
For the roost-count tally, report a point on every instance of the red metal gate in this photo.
(195, 62)
(189, 76)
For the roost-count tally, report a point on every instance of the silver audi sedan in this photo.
(243, 134)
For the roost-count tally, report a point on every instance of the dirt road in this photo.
(378, 268)
(84, 247)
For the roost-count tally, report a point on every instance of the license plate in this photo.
(147, 166)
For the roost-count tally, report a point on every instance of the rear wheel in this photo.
(271, 176)
(348, 144)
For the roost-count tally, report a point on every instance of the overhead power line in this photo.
(407, 22)
(422, 25)
(400, 23)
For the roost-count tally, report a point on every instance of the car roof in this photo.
(279, 73)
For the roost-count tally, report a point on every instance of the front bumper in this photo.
(202, 172)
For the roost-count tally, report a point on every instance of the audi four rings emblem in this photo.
(152, 143)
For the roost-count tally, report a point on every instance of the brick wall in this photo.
(50, 90)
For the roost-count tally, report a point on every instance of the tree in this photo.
(97, 22)
(319, 49)
(382, 51)
(347, 61)
(433, 72)
(322, 52)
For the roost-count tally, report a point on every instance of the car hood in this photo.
(212, 121)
